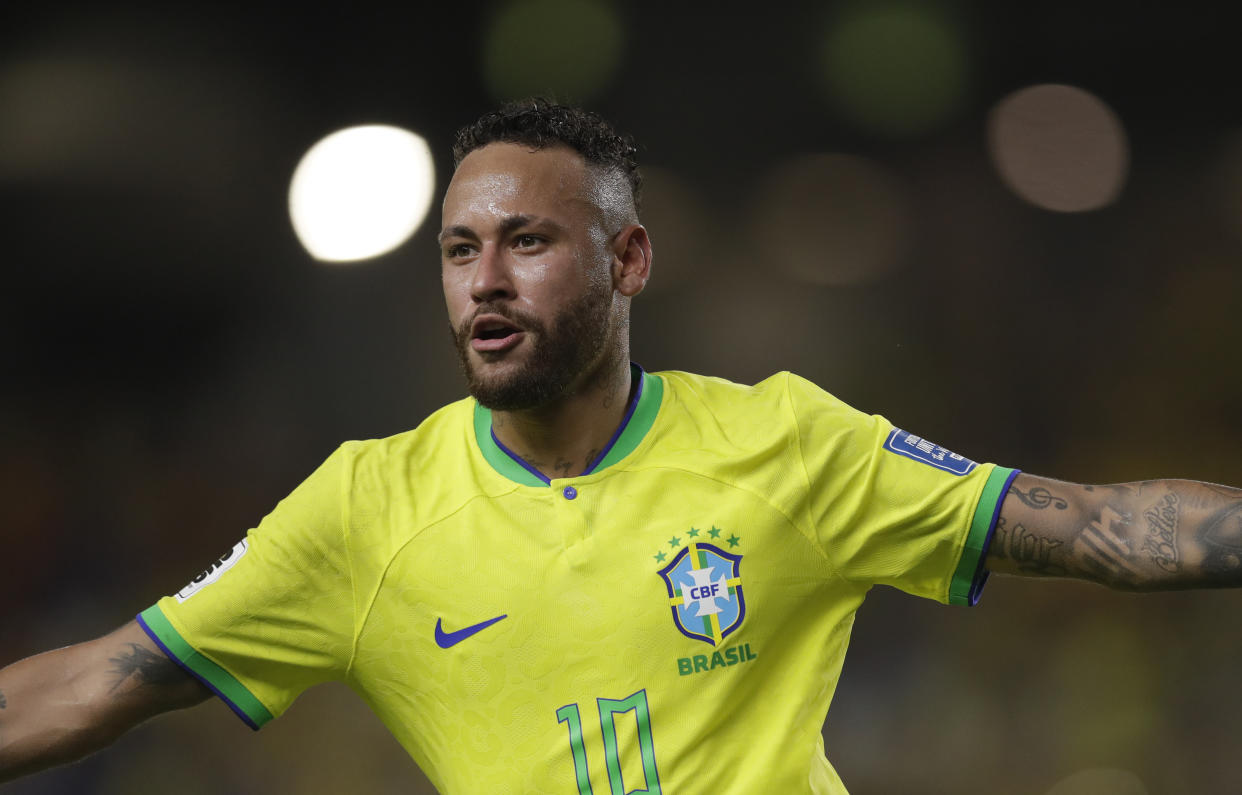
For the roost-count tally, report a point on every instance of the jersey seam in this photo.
(379, 583)
(806, 479)
(792, 522)
(346, 531)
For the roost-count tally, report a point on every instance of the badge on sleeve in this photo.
(916, 447)
(213, 572)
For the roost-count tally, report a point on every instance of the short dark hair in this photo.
(539, 123)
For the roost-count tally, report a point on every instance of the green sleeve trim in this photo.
(970, 576)
(207, 671)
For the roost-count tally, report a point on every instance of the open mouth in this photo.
(494, 333)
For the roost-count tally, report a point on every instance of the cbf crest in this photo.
(705, 590)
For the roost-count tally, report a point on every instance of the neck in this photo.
(563, 438)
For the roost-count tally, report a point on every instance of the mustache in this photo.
(519, 318)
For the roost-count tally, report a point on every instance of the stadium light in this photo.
(361, 192)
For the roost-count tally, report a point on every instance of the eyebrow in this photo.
(507, 225)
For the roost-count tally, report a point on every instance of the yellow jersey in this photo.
(674, 620)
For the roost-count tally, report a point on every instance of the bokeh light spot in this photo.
(831, 219)
(361, 192)
(897, 70)
(682, 229)
(564, 48)
(1059, 147)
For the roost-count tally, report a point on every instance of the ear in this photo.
(631, 260)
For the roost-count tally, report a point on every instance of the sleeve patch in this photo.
(213, 572)
(904, 443)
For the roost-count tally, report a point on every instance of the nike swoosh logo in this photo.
(446, 639)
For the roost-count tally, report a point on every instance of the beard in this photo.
(560, 353)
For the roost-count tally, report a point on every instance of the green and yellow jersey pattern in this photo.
(672, 621)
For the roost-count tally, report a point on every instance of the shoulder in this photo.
(396, 485)
(692, 386)
(783, 409)
(435, 440)
(781, 393)
(702, 407)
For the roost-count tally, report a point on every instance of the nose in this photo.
(492, 277)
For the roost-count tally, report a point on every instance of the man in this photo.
(586, 577)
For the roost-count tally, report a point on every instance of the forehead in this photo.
(504, 179)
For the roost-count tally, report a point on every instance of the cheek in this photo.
(456, 290)
(536, 274)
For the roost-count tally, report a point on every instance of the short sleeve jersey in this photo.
(674, 620)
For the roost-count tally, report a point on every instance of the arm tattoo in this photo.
(1161, 541)
(1143, 536)
(1103, 548)
(1221, 534)
(1039, 497)
(1033, 553)
(149, 667)
(1124, 489)
(3, 701)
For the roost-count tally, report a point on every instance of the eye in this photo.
(457, 251)
(527, 241)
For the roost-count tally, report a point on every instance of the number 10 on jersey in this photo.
(609, 709)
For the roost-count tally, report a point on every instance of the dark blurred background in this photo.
(1013, 229)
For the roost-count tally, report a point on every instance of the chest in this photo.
(526, 629)
(654, 571)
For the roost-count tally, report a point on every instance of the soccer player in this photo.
(588, 578)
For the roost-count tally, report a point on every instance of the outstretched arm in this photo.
(1153, 535)
(64, 704)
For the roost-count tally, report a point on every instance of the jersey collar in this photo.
(639, 417)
